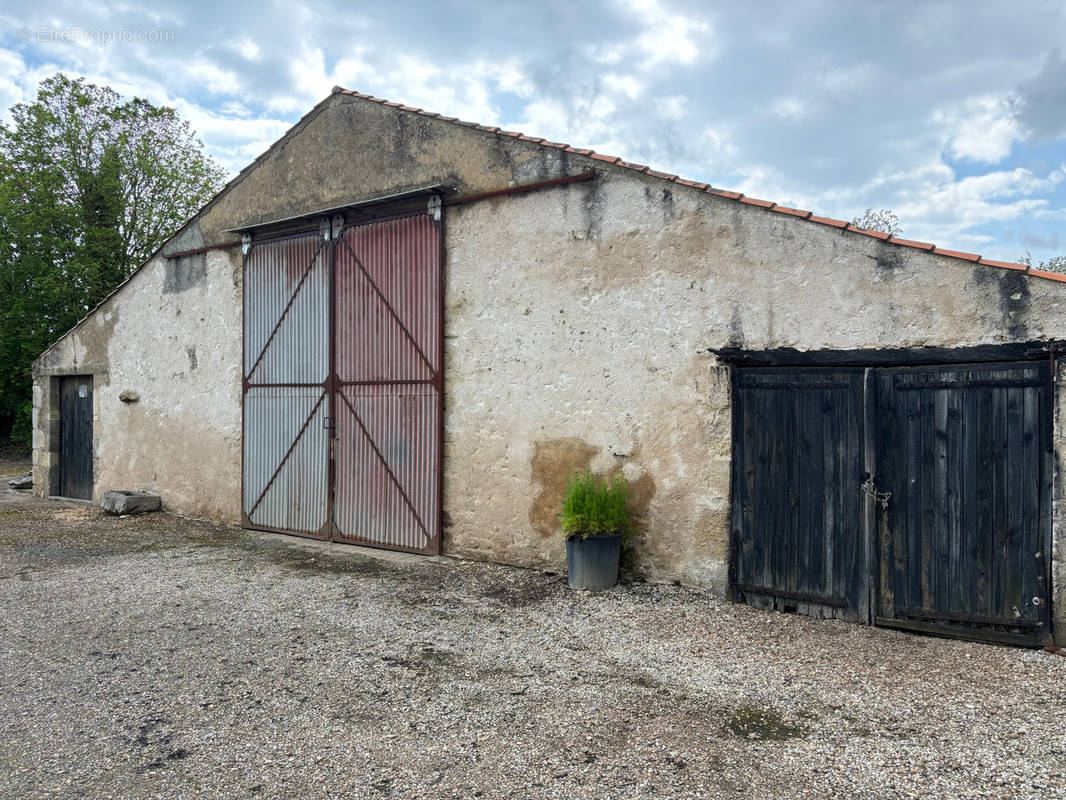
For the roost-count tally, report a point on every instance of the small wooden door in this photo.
(76, 437)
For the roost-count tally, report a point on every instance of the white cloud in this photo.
(663, 38)
(672, 107)
(981, 129)
(623, 84)
(789, 108)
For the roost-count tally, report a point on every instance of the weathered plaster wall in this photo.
(173, 336)
(579, 323)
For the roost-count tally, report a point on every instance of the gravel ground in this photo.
(161, 657)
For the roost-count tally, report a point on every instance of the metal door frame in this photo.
(331, 227)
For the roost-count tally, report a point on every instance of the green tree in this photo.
(1053, 264)
(881, 220)
(90, 185)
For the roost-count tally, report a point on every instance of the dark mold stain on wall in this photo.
(1015, 301)
(889, 258)
(182, 274)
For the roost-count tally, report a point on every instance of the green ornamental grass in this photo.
(594, 506)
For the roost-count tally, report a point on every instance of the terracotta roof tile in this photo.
(911, 243)
(875, 234)
(796, 212)
(737, 196)
(1051, 276)
(836, 223)
(956, 254)
(751, 201)
(987, 262)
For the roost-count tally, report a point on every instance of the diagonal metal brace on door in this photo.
(388, 307)
(284, 313)
(385, 464)
(284, 458)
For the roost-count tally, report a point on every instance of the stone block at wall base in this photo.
(130, 502)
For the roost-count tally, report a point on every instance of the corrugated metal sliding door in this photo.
(389, 347)
(286, 372)
(343, 350)
(797, 501)
(963, 460)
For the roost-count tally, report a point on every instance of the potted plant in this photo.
(595, 518)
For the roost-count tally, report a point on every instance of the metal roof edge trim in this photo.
(409, 194)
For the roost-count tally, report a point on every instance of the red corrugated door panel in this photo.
(387, 334)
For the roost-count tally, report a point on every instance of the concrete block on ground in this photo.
(121, 502)
(21, 482)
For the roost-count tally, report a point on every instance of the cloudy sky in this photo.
(952, 114)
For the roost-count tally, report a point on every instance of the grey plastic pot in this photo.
(592, 561)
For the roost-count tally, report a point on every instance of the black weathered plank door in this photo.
(963, 469)
(798, 460)
(76, 437)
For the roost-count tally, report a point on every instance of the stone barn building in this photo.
(402, 330)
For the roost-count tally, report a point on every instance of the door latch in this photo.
(870, 488)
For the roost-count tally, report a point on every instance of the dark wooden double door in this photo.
(914, 497)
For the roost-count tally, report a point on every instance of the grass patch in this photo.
(749, 722)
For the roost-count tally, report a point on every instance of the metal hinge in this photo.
(433, 207)
(246, 243)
